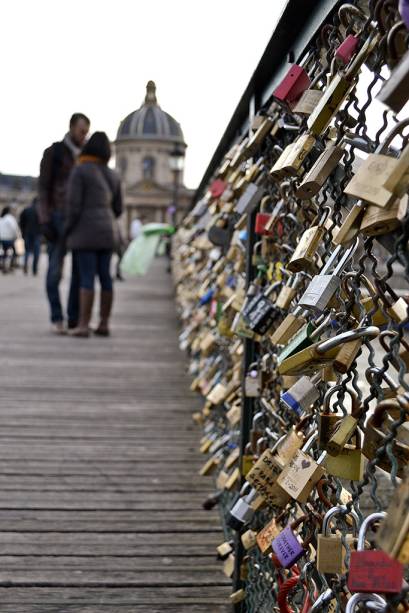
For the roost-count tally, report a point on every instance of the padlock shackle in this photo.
(345, 337)
(371, 519)
(340, 509)
(360, 597)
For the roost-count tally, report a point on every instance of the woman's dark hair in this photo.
(99, 146)
(5, 211)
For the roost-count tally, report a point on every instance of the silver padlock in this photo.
(242, 512)
(324, 285)
(250, 199)
(302, 394)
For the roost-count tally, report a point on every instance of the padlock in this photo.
(287, 546)
(250, 199)
(290, 325)
(262, 218)
(248, 539)
(398, 309)
(376, 221)
(313, 358)
(295, 82)
(330, 548)
(349, 463)
(288, 292)
(242, 513)
(374, 601)
(302, 473)
(339, 88)
(291, 159)
(395, 91)
(324, 285)
(263, 476)
(319, 172)
(287, 446)
(305, 337)
(252, 382)
(327, 421)
(260, 312)
(304, 256)
(217, 188)
(392, 537)
(302, 395)
(224, 550)
(345, 51)
(264, 128)
(374, 440)
(265, 537)
(307, 102)
(373, 571)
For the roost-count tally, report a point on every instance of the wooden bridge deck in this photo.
(100, 502)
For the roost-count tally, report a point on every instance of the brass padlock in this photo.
(305, 253)
(319, 172)
(376, 221)
(302, 473)
(330, 549)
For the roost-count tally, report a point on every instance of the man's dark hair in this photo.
(99, 146)
(76, 117)
(5, 211)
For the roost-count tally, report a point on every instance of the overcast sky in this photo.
(61, 56)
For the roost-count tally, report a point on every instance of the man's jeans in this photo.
(32, 245)
(56, 253)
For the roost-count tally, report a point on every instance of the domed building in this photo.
(150, 148)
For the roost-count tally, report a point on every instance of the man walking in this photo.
(56, 165)
(30, 231)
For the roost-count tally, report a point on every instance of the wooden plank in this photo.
(101, 509)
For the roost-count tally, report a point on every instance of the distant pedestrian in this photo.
(94, 201)
(9, 232)
(30, 230)
(56, 165)
(136, 227)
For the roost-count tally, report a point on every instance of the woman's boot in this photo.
(104, 313)
(86, 303)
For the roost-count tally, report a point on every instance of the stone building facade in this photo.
(146, 140)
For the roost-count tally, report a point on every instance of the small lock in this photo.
(242, 513)
(392, 536)
(373, 571)
(315, 178)
(324, 285)
(302, 395)
(287, 546)
(290, 325)
(305, 252)
(330, 549)
(347, 49)
(287, 292)
(302, 473)
(295, 82)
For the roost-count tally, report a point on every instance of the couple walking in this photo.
(79, 201)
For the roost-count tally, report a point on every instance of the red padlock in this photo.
(373, 571)
(347, 49)
(294, 84)
(217, 188)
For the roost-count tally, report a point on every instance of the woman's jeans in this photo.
(91, 264)
(32, 245)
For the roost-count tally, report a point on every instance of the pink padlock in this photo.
(294, 84)
(347, 49)
(217, 188)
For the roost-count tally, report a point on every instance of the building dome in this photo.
(149, 122)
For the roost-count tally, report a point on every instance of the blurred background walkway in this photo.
(100, 499)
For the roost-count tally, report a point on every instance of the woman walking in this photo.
(94, 202)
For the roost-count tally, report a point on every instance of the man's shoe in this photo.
(58, 328)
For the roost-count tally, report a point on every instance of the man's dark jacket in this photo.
(55, 168)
